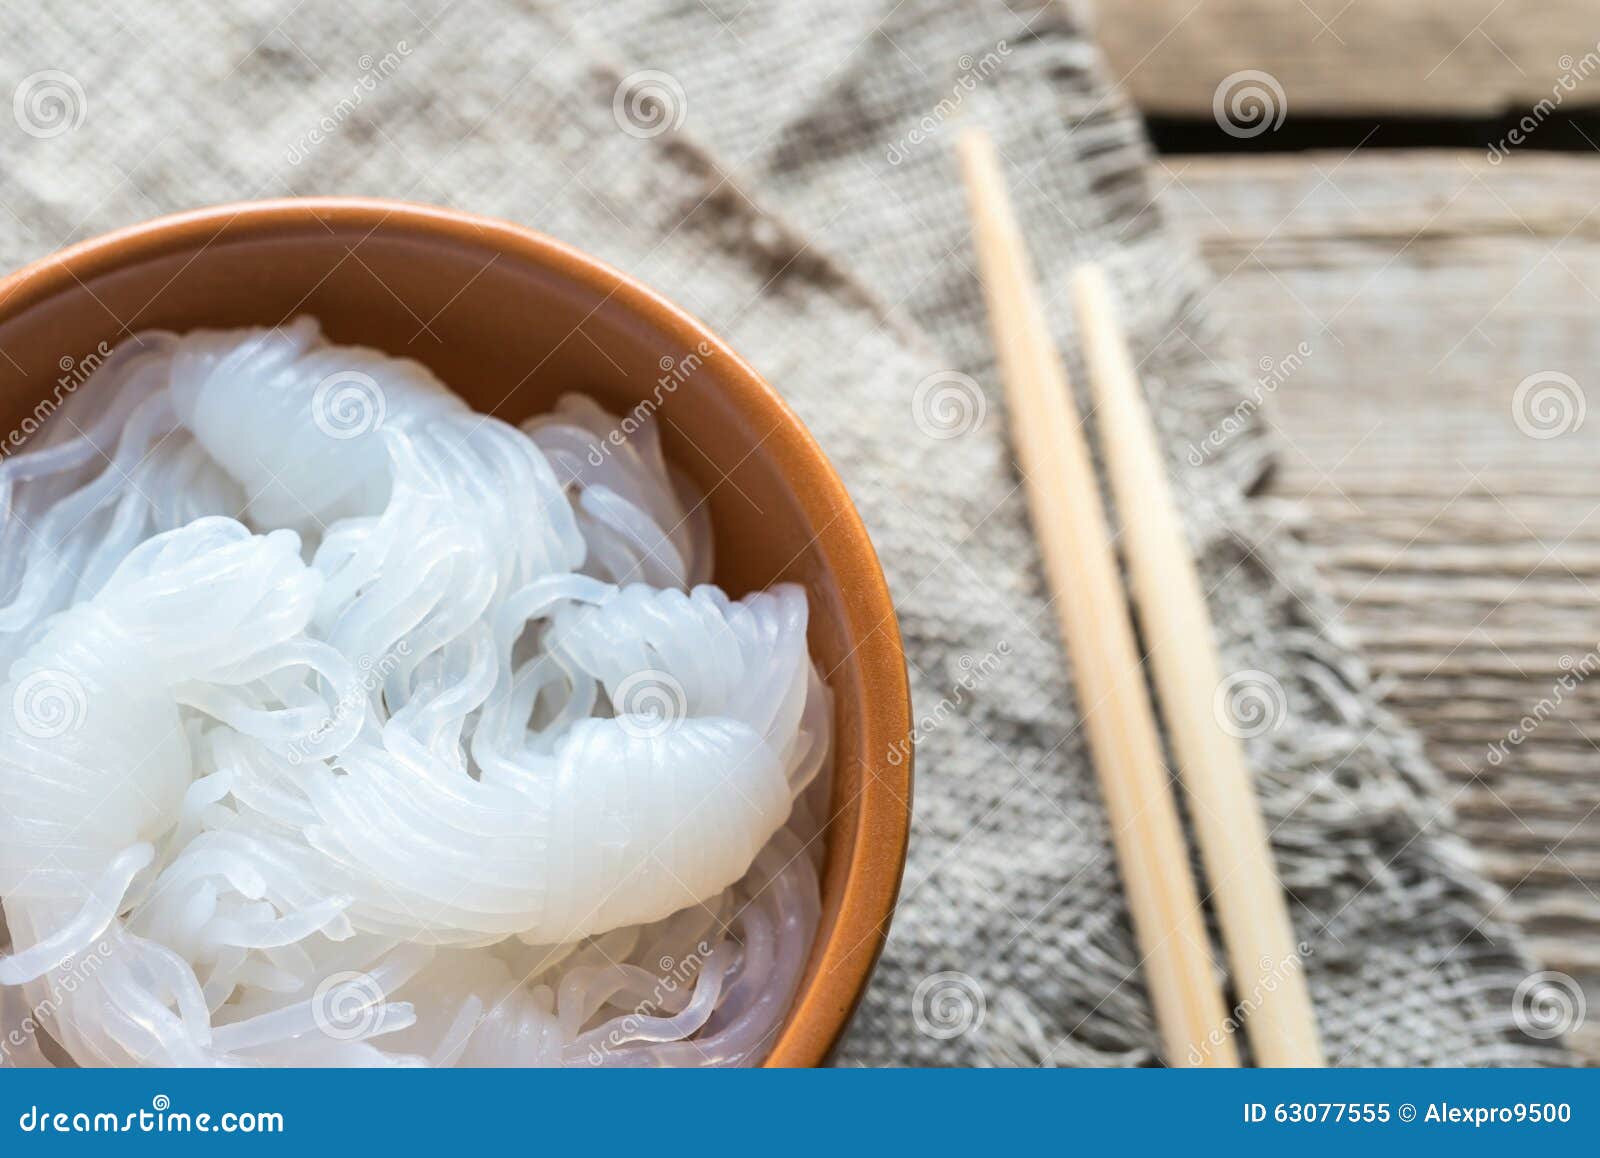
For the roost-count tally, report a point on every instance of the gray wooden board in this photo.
(1428, 287)
(1434, 57)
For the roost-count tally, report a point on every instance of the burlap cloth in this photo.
(790, 181)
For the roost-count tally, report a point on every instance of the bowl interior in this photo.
(511, 320)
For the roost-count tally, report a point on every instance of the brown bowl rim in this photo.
(872, 882)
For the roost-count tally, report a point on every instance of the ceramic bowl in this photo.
(511, 319)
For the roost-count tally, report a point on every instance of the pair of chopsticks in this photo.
(1081, 567)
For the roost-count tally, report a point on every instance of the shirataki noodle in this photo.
(344, 725)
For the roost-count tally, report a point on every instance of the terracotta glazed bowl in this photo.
(511, 319)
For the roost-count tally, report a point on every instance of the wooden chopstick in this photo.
(1268, 973)
(1095, 626)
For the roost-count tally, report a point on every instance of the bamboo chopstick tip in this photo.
(975, 148)
(972, 136)
(1089, 279)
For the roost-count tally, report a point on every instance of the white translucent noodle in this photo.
(342, 725)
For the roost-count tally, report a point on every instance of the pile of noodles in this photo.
(343, 725)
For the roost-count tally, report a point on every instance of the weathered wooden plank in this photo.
(1457, 525)
(1443, 57)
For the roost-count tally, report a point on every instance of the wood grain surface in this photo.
(1440, 460)
(1425, 57)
